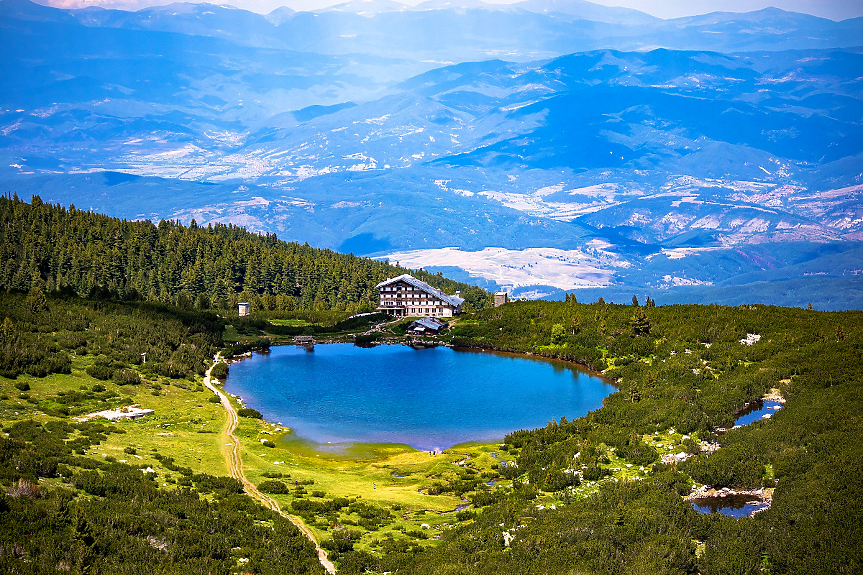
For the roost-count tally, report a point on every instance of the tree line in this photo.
(214, 267)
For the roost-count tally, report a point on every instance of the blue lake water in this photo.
(430, 399)
(736, 506)
(757, 411)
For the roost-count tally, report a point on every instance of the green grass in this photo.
(230, 334)
(189, 429)
(184, 426)
(388, 475)
(290, 322)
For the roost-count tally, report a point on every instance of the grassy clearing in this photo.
(231, 334)
(394, 479)
(188, 428)
(185, 425)
(290, 322)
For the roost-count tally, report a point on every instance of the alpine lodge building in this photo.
(407, 296)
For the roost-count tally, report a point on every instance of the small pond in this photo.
(731, 505)
(430, 399)
(757, 410)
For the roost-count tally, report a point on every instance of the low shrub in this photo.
(220, 370)
(273, 486)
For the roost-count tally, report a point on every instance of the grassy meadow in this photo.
(529, 503)
(188, 429)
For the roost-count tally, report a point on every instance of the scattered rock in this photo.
(750, 339)
(675, 457)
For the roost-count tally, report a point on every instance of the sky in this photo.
(833, 9)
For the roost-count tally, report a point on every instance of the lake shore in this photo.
(429, 410)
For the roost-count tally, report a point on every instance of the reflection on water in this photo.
(757, 410)
(731, 505)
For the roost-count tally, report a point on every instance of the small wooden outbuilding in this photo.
(426, 326)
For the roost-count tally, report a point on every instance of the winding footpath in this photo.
(235, 469)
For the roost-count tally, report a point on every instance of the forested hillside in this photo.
(56, 249)
(683, 372)
(590, 495)
(40, 335)
(66, 508)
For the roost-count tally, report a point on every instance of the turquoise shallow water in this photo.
(430, 399)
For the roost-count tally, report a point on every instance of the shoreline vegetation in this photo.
(234, 459)
(412, 341)
(604, 493)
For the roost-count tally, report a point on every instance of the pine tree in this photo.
(36, 301)
(576, 324)
(52, 248)
(639, 323)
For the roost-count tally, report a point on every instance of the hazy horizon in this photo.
(667, 9)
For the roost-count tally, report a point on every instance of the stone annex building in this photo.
(407, 296)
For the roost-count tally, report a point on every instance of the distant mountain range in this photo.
(541, 146)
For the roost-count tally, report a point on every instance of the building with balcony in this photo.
(406, 296)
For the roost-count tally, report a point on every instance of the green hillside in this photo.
(60, 249)
(683, 374)
(589, 496)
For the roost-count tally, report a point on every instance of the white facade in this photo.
(407, 296)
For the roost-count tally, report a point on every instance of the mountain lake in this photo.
(736, 506)
(757, 411)
(336, 395)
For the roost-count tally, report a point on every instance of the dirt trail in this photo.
(235, 469)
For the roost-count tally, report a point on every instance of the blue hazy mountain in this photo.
(448, 31)
(732, 160)
(588, 11)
